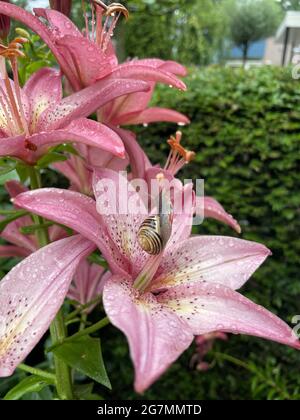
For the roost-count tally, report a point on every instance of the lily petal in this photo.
(88, 100)
(146, 73)
(76, 211)
(121, 224)
(215, 259)
(8, 251)
(32, 293)
(62, 24)
(38, 27)
(151, 115)
(14, 188)
(214, 210)
(156, 336)
(207, 308)
(137, 157)
(88, 60)
(43, 89)
(84, 131)
(14, 147)
(13, 235)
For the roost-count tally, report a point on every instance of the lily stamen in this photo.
(179, 156)
(13, 99)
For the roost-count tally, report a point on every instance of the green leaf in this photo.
(83, 392)
(31, 229)
(9, 176)
(22, 171)
(49, 158)
(29, 384)
(16, 215)
(84, 354)
(67, 147)
(98, 259)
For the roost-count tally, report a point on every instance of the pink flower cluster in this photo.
(160, 302)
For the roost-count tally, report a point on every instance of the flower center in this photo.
(179, 156)
(10, 95)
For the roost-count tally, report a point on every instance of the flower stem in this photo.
(100, 324)
(37, 372)
(57, 328)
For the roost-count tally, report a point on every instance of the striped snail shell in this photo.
(154, 233)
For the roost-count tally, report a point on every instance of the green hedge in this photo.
(246, 132)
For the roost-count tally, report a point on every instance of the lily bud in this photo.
(4, 25)
(62, 6)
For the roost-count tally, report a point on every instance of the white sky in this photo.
(38, 3)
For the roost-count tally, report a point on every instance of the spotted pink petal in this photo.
(60, 24)
(32, 293)
(215, 259)
(146, 73)
(86, 58)
(168, 66)
(137, 157)
(87, 101)
(14, 147)
(151, 115)
(121, 222)
(44, 90)
(84, 131)
(38, 27)
(156, 336)
(183, 216)
(8, 251)
(214, 210)
(208, 307)
(76, 211)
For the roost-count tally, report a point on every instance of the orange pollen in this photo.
(113, 8)
(187, 155)
(13, 49)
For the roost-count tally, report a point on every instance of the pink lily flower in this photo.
(88, 283)
(36, 117)
(21, 245)
(179, 157)
(161, 302)
(85, 59)
(89, 278)
(31, 295)
(79, 169)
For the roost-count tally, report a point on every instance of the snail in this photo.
(154, 233)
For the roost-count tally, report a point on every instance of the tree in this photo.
(252, 20)
(290, 4)
(190, 32)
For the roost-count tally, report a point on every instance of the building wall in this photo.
(273, 52)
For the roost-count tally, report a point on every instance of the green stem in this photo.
(57, 328)
(37, 372)
(81, 308)
(101, 324)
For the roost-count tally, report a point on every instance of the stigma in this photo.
(101, 33)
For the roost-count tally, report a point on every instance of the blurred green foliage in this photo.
(191, 32)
